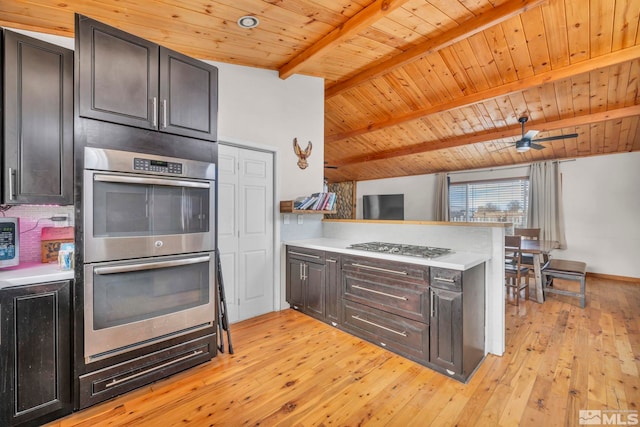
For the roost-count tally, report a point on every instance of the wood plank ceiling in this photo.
(414, 86)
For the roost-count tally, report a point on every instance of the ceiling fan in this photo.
(526, 142)
(327, 166)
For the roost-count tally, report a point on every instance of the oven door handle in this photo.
(129, 268)
(150, 181)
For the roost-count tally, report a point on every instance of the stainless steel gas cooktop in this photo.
(400, 249)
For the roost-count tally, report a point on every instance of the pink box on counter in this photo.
(51, 239)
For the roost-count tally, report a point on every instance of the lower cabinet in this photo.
(313, 283)
(434, 316)
(457, 320)
(35, 333)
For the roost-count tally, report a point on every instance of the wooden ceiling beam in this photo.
(465, 30)
(363, 19)
(613, 58)
(426, 146)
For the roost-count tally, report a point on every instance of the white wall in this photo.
(602, 213)
(601, 200)
(418, 190)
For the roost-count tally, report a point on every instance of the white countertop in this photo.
(32, 272)
(457, 260)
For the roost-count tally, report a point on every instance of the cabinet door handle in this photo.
(356, 317)
(402, 273)
(307, 255)
(304, 271)
(12, 173)
(330, 260)
(301, 276)
(362, 288)
(155, 368)
(444, 279)
(164, 113)
(155, 112)
(433, 305)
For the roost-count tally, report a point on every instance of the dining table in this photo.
(539, 249)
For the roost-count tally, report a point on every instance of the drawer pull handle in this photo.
(402, 273)
(155, 368)
(307, 255)
(356, 317)
(330, 260)
(444, 279)
(379, 293)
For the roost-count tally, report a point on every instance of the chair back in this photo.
(527, 233)
(512, 245)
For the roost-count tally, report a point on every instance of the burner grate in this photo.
(401, 249)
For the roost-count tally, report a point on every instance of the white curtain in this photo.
(545, 202)
(442, 197)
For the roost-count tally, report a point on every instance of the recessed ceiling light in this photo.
(248, 22)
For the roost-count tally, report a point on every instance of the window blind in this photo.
(490, 201)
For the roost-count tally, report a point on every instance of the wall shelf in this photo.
(286, 206)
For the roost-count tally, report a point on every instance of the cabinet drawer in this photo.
(114, 380)
(385, 268)
(444, 278)
(305, 254)
(399, 297)
(398, 334)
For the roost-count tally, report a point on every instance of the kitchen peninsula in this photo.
(476, 249)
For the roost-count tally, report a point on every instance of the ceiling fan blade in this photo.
(331, 167)
(530, 134)
(536, 146)
(553, 138)
(503, 148)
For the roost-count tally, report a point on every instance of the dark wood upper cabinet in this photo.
(38, 122)
(128, 80)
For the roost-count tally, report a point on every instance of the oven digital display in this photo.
(161, 166)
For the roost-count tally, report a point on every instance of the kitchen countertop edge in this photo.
(33, 273)
(457, 260)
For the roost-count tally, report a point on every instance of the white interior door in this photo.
(245, 230)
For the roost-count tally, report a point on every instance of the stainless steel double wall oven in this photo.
(149, 256)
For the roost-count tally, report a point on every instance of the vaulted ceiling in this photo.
(414, 86)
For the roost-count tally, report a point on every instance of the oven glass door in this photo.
(130, 216)
(140, 301)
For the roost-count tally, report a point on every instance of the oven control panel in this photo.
(160, 166)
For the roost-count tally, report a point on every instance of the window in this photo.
(490, 201)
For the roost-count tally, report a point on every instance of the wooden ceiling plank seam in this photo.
(581, 92)
(508, 110)
(599, 82)
(363, 19)
(497, 42)
(440, 78)
(633, 94)
(555, 26)
(618, 85)
(458, 71)
(517, 42)
(512, 87)
(498, 120)
(612, 136)
(411, 20)
(487, 62)
(601, 28)
(407, 89)
(537, 43)
(549, 102)
(634, 136)
(533, 99)
(433, 18)
(578, 32)
(591, 120)
(453, 9)
(625, 25)
(468, 28)
(476, 81)
(564, 98)
(623, 138)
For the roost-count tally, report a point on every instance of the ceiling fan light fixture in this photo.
(248, 21)
(522, 148)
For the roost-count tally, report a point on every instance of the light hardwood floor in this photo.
(289, 369)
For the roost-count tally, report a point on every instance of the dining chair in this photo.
(527, 233)
(514, 271)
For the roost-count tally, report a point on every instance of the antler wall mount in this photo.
(302, 154)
